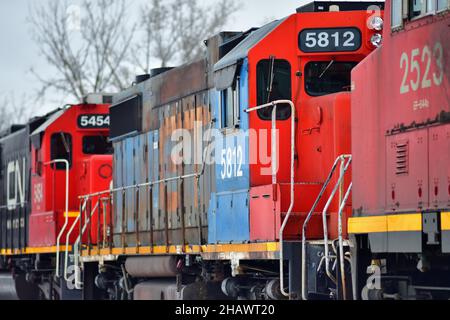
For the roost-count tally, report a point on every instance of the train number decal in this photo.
(329, 40)
(231, 163)
(420, 60)
(93, 121)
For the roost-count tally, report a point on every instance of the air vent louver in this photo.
(402, 158)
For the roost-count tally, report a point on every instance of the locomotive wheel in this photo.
(26, 290)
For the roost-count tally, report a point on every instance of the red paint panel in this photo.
(304, 197)
(439, 159)
(401, 97)
(407, 171)
(43, 230)
(264, 213)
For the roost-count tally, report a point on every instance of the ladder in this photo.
(343, 162)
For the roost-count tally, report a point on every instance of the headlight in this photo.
(376, 23)
(376, 40)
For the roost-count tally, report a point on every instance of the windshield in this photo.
(325, 77)
(97, 145)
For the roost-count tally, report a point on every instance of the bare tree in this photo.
(174, 29)
(87, 45)
(13, 111)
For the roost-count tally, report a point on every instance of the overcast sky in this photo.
(18, 53)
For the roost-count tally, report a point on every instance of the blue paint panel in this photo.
(129, 180)
(243, 96)
(232, 149)
(228, 214)
(230, 220)
(212, 219)
(118, 182)
(153, 165)
(140, 177)
(150, 164)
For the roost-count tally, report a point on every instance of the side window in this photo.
(396, 14)
(61, 149)
(37, 162)
(431, 6)
(416, 8)
(411, 9)
(97, 145)
(443, 4)
(229, 105)
(274, 83)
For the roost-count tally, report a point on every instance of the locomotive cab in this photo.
(313, 72)
(70, 156)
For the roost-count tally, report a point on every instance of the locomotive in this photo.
(45, 165)
(400, 145)
(306, 159)
(219, 163)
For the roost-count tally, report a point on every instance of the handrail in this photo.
(324, 214)
(111, 192)
(341, 241)
(104, 202)
(19, 204)
(66, 215)
(78, 283)
(274, 173)
(66, 255)
(153, 183)
(340, 159)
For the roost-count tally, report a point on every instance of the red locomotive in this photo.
(401, 147)
(46, 165)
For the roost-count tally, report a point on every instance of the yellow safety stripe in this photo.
(196, 249)
(445, 221)
(389, 223)
(405, 223)
(367, 225)
(71, 214)
(13, 252)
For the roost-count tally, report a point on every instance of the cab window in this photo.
(97, 145)
(416, 8)
(411, 9)
(443, 4)
(396, 14)
(326, 77)
(229, 103)
(274, 83)
(61, 149)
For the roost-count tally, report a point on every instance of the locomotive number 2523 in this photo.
(93, 121)
(419, 70)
